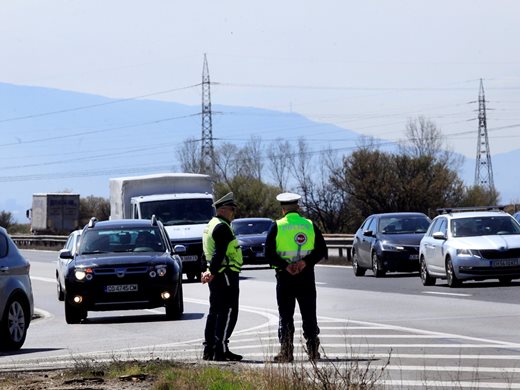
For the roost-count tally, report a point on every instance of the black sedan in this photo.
(123, 264)
(251, 234)
(389, 242)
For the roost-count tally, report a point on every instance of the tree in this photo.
(378, 182)
(93, 206)
(279, 162)
(254, 198)
(6, 219)
(190, 156)
(479, 196)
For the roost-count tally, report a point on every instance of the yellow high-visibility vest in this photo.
(233, 258)
(295, 237)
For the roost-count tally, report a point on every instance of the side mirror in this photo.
(368, 233)
(65, 254)
(439, 236)
(179, 249)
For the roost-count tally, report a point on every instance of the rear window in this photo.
(4, 245)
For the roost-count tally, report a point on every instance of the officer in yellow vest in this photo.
(224, 262)
(293, 246)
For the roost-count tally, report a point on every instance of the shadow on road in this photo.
(140, 318)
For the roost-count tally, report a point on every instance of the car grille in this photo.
(120, 270)
(495, 254)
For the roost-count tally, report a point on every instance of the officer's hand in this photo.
(301, 265)
(292, 269)
(206, 277)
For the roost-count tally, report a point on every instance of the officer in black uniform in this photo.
(224, 262)
(293, 246)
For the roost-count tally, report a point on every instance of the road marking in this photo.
(42, 279)
(445, 293)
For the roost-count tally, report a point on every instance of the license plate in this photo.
(189, 258)
(505, 263)
(414, 257)
(121, 288)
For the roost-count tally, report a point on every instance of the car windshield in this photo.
(179, 211)
(251, 227)
(403, 224)
(142, 239)
(483, 226)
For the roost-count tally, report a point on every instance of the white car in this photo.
(16, 297)
(471, 245)
(71, 245)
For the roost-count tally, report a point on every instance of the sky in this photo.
(368, 66)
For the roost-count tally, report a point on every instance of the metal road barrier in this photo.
(37, 241)
(340, 244)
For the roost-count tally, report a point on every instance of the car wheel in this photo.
(358, 271)
(427, 280)
(451, 278)
(14, 324)
(175, 309)
(377, 267)
(505, 280)
(59, 290)
(73, 313)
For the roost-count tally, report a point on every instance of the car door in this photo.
(366, 239)
(436, 249)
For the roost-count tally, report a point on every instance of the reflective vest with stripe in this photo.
(233, 258)
(295, 237)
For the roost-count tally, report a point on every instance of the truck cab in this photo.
(184, 217)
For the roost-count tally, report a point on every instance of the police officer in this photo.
(224, 262)
(293, 246)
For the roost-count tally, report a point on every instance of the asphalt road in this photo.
(432, 336)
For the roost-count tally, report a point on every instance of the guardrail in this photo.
(37, 241)
(342, 243)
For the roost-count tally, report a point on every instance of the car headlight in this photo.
(159, 270)
(81, 273)
(388, 246)
(468, 253)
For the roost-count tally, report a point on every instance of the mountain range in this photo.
(54, 140)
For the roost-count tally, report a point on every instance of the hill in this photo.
(54, 140)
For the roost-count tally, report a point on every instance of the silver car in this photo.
(16, 298)
(470, 245)
(71, 245)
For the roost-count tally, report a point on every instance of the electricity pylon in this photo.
(483, 167)
(207, 151)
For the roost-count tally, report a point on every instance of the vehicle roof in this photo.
(474, 214)
(116, 223)
(399, 214)
(255, 219)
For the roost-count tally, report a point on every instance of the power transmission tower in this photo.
(483, 168)
(207, 151)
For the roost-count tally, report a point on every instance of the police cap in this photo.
(226, 200)
(288, 198)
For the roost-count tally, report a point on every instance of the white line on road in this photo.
(445, 293)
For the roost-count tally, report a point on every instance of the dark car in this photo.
(389, 242)
(16, 297)
(251, 234)
(123, 264)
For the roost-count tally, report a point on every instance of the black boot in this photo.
(232, 356)
(286, 353)
(209, 352)
(313, 348)
(220, 354)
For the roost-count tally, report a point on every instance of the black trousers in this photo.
(223, 309)
(292, 288)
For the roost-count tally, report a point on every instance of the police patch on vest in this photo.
(300, 238)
